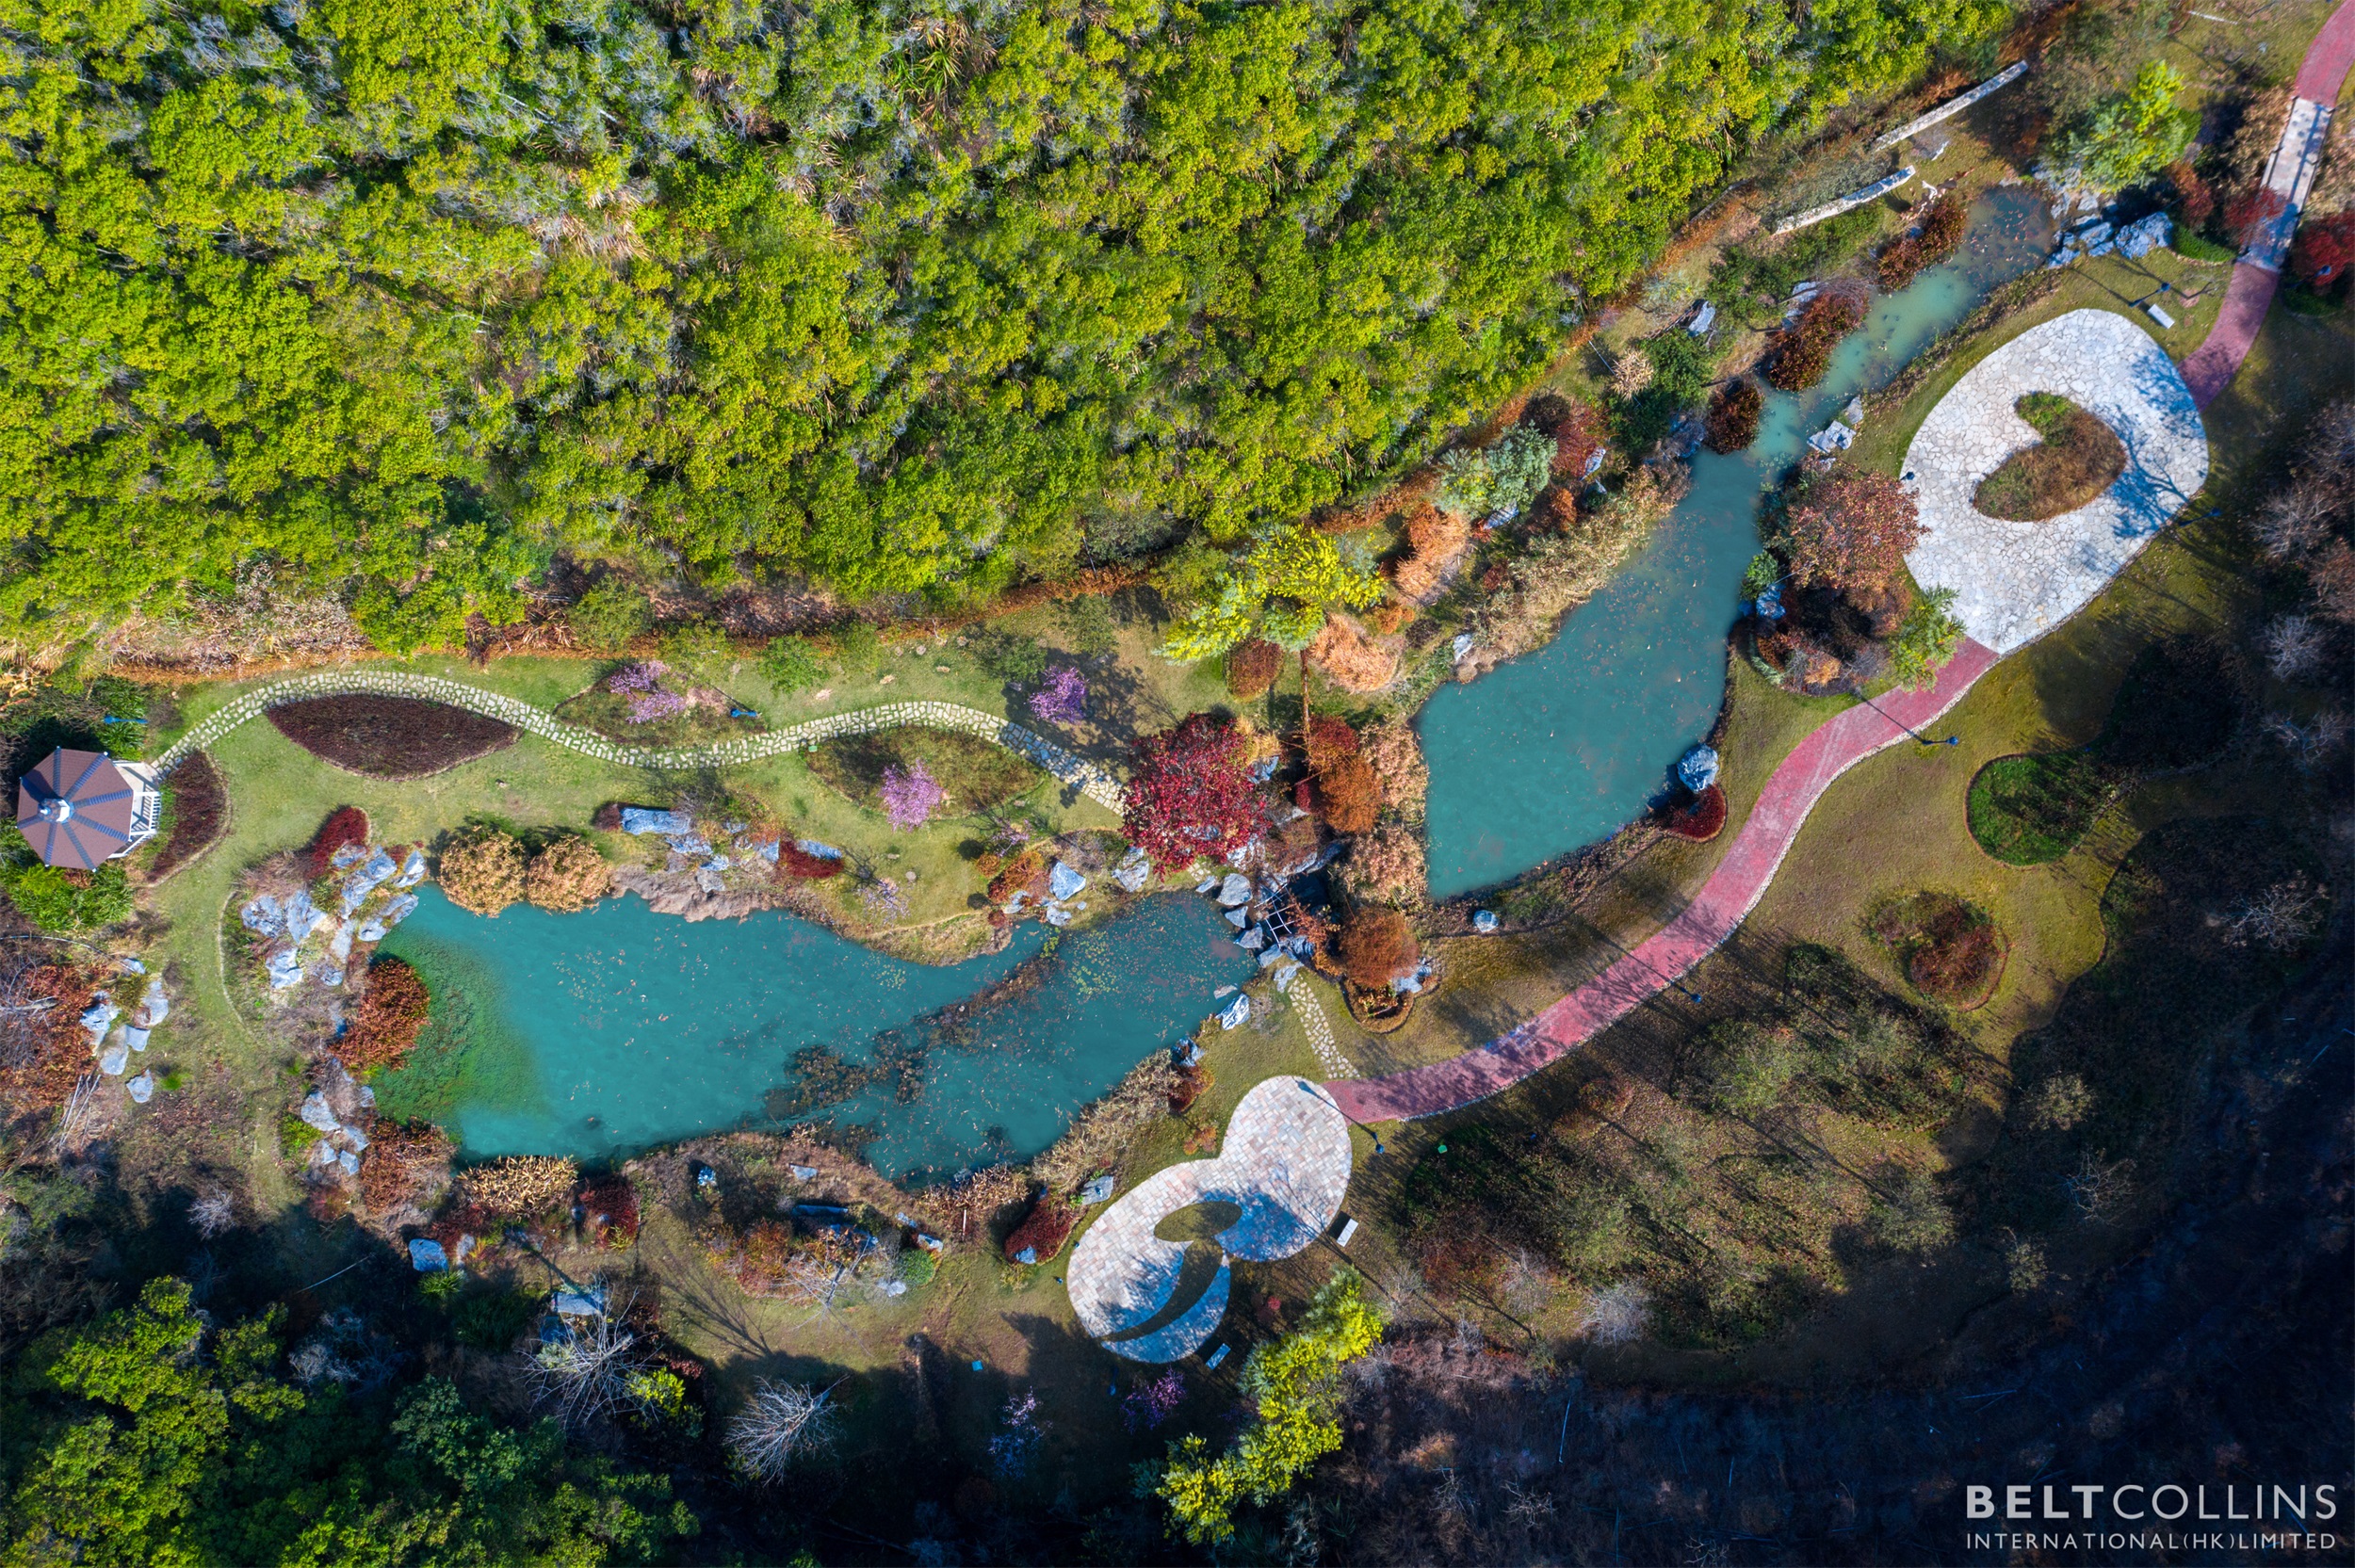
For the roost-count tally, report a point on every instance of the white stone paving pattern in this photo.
(2015, 581)
(1285, 1163)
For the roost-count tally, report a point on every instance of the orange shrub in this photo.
(1252, 665)
(1377, 947)
(392, 1010)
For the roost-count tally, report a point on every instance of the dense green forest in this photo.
(407, 295)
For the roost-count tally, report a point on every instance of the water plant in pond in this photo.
(1805, 351)
(1734, 415)
(2078, 458)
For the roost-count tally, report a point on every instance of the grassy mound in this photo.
(2027, 809)
(976, 774)
(389, 738)
(1951, 951)
(2078, 458)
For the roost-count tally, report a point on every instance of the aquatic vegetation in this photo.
(393, 1007)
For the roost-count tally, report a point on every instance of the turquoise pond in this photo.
(600, 1033)
(1558, 750)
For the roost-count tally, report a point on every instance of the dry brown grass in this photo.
(2078, 458)
(1396, 756)
(1350, 659)
(519, 1185)
(1388, 866)
(1100, 1136)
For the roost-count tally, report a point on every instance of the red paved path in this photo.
(1740, 881)
(2212, 367)
(1730, 893)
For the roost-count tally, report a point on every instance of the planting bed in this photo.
(2027, 809)
(199, 805)
(1950, 951)
(387, 737)
(2078, 458)
(976, 774)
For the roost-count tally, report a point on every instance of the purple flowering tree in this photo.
(909, 798)
(1063, 697)
(641, 684)
(1147, 1407)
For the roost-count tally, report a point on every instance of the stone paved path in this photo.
(1090, 780)
(2291, 172)
(1285, 1163)
(1729, 895)
(2015, 581)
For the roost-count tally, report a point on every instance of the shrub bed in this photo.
(567, 876)
(1700, 819)
(1951, 951)
(2028, 809)
(1043, 1231)
(345, 826)
(389, 738)
(2078, 458)
(199, 803)
(482, 871)
(1940, 230)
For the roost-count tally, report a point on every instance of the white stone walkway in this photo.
(1285, 1163)
(1090, 780)
(2015, 581)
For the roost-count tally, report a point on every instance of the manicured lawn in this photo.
(2035, 807)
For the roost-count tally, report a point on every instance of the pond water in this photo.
(604, 1032)
(1556, 751)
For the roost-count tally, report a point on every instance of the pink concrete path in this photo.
(1731, 892)
(2258, 273)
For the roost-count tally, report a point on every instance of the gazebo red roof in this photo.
(75, 809)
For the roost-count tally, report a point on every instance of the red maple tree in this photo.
(1190, 795)
(2324, 250)
(1850, 530)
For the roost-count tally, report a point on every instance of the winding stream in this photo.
(1556, 751)
(600, 1033)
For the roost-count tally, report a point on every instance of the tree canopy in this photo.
(151, 1437)
(405, 296)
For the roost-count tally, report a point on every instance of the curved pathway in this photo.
(1731, 892)
(1285, 1162)
(2290, 173)
(1740, 881)
(1088, 778)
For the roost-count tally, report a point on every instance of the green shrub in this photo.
(792, 664)
(1682, 365)
(1010, 656)
(442, 1285)
(57, 901)
(658, 1402)
(1087, 622)
(1750, 1066)
(490, 1319)
(1926, 640)
(295, 1138)
(2190, 244)
(697, 647)
(857, 647)
(608, 615)
(917, 1268)
(1910, 1216)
